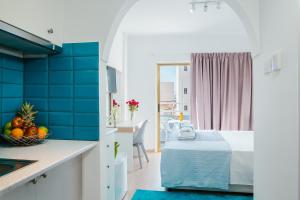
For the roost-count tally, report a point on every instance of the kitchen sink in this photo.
(8, 165)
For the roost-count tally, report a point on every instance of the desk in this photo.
(124, 136)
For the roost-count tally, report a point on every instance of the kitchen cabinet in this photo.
(35, 16)
(107, 165)
(62, 183)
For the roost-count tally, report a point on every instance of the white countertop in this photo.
(48, 155)
(126, 126)
(109, 131)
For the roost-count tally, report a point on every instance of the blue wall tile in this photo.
(60, 105)
(10, 62)
(36, 65)
(86, 63)
(59, 91)
(86, 105)
(86, 92)
(42, 118)
(39, 104)
(86, 77)
(60, 119)
(36, 78)
(6, 117)
(69, 101)
(36, 91)
(86, 49)
(86, 119)
(12, 76)
(12, 90)
(61, 132)
(61, 77)
(11, 104)
(61, 63)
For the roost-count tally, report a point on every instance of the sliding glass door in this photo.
(173, 97)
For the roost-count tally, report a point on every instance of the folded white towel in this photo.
(186, 133)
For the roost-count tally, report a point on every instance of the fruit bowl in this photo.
(24, 141)
(22, 129)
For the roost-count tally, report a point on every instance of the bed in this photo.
(218, 161)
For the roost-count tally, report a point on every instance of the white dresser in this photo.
(107, 168)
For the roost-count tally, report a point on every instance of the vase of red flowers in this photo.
(133, 106)
(114, 113)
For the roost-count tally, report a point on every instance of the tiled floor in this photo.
(147, 178)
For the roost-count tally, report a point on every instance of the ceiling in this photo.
(174, 17)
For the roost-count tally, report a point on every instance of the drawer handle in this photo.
(107, 146)
(50, 31)
(36, 180)
(107, 166)
(108, 187)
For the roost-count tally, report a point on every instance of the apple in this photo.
(8, 125)
(17, 122)
(7, 132)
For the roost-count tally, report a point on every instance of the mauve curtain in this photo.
(221, 91)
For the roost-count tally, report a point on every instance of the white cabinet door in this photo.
(107, 167)
(35, 16)
(62, 182)
(25, 192)
(126, 146)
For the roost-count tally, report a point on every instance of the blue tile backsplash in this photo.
(64, 88)
(11, 86)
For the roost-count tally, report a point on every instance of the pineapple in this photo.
(28, 115)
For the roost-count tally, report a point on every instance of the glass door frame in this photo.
(159, 66)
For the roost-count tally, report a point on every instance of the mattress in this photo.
(241, 160)
(242, 157)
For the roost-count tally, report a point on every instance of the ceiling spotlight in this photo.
(218, 5)
(205, 7)
(193, 8)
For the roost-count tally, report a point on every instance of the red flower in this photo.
(133, 104)
(115, 103)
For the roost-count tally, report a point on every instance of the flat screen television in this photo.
(111, 79)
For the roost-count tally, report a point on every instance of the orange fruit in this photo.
(17, 133)
(42, 133)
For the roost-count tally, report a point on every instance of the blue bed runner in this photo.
(202, 163)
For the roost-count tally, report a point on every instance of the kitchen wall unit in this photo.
(66, 165)
(35, 16)
(61, 183)
(107, 169)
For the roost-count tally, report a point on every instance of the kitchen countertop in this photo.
(48, 155)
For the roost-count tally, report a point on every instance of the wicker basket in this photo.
(24, 141)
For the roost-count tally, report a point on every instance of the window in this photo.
(185, 107)
(185, 91)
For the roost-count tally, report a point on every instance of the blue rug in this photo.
(184, 195)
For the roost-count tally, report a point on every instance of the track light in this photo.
(193, 8)
(205, 4)
(205, 7)
(218, 5)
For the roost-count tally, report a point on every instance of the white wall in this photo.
(276, 105)
(144, 52)
(116, 56)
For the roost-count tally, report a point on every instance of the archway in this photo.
(234, 4)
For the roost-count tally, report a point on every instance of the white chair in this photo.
(138, 140)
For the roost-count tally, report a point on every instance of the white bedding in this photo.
(241, 165)
(241, 161)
